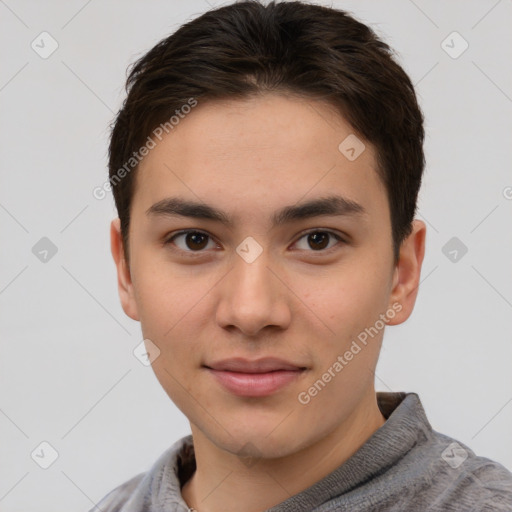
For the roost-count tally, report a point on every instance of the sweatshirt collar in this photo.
(405, 423)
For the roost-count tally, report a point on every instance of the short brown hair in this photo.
(248, 48)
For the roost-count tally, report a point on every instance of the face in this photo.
(268, 301)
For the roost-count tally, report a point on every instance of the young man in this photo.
(265, 167)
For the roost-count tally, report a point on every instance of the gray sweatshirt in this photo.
(404, 466)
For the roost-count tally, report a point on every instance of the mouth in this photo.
(258, 378)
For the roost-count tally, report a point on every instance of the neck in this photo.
(222, 483)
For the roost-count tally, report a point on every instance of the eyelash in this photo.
(169, 241)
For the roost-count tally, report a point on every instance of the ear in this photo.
(124, 281)
(406, 277)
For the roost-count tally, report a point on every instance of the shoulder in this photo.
(146, 491)
(118, 497)
(433, 471)
(459, 476)
(488, 483)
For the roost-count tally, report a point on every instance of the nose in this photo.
(253, 297)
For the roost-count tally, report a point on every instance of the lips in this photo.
(264, 365)
(257, 378)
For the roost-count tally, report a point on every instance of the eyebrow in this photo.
(331, 205)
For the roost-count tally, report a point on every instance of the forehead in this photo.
(260, 151)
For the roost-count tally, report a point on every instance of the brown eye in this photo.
(196, 241)
(316, 241)
(190, 241)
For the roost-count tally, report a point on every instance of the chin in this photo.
(254, 447)
(261, 440)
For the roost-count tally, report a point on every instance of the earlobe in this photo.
(124, 282)
(406, 277)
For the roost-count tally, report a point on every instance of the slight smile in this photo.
(257, 378)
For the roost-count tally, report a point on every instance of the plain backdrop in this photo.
(68, 376)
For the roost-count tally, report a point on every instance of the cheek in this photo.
(164, 299)
(349, 300)
(172, 315)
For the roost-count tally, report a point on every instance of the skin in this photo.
(250, 158)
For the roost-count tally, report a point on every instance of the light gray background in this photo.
(67, 372)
